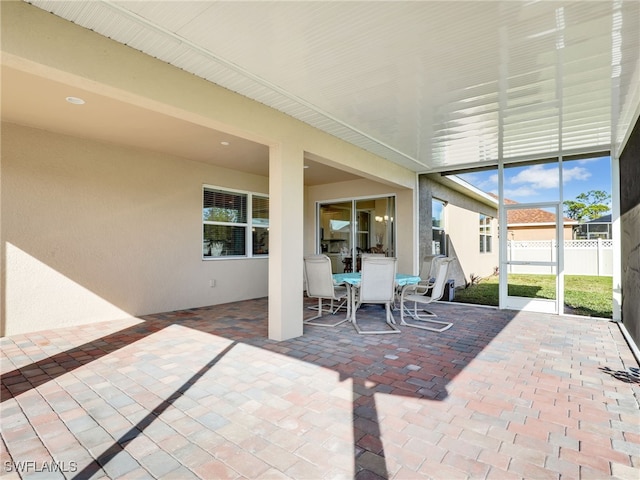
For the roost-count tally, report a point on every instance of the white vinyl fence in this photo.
(581, 257)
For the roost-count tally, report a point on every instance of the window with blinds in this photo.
(235, 224)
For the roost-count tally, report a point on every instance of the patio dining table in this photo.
(353, 279)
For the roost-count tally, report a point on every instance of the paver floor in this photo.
(203, 393)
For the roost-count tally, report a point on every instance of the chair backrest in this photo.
(318, 277)
(378, 279)
(429, 266)
(365, 255)
(441, 276)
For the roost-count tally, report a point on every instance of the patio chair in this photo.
(363, 255)
(319, 284)
(377, 286)
(423, 294)
(427, 272)
(428, 269)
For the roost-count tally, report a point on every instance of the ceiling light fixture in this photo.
(224, 143)
(75, 100)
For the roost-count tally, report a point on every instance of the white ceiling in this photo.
(35, 101)
(431, 85)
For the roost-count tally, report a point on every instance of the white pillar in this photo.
(286, 221)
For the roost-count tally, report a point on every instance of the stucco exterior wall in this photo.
(106, 251)
(537, 233)
(461, 227)
(37, 41)
(95, 232)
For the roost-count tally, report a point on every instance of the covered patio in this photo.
(203, 393)
(128, 126)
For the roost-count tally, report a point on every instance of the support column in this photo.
(616, 235)
(286, 222)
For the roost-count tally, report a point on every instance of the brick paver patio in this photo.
(202, 393)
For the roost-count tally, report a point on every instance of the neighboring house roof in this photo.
(531, 216)
(456, 183)
(603, 219)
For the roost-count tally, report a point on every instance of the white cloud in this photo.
(525, 183)
(492, 181)
(472, 178)
(538, 177)
(486, 184)
(575, 173)
(524, 191)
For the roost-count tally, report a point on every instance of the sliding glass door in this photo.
(335, 237)
(348, 228)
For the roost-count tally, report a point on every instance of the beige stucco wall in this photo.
(95, 232)
(113, 235)
(37, 41)
(462, 228)
(537, 233)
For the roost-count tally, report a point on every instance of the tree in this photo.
(587, 206)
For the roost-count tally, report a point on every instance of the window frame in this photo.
(248, 225)
(485, 232)
(440, 229)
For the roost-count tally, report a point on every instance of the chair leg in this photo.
(343, 304)
(390, 322)
(438, 325)
(331, 311)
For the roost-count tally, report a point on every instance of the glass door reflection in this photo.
(335, 234)
(347, 229)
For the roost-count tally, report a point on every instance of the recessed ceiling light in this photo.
(75, 100)
(224, 143)
(306, 166)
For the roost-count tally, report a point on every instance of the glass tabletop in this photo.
(354, 278)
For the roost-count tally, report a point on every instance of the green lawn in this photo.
(584, 295)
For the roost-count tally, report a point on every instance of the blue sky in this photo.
(539, 183)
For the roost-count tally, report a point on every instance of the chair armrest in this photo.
(410, 289)
(415, 289)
